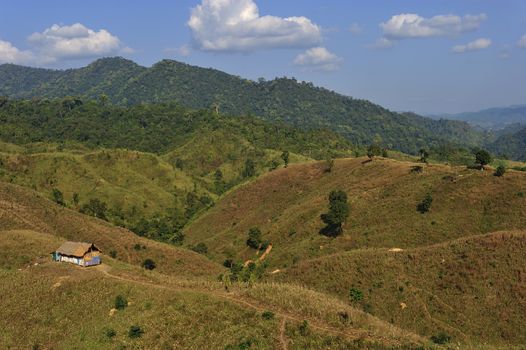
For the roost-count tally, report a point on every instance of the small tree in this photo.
(120, 302)
(501, 169)
(285, 156)
(76, 199)
(135, 332)
(374, 151)
(424, 155)
(329, 164)
(424, 206)
(338, 213)
(250, 168)
(58, 197)
(149, 264)
(482, 158)
(254, 238)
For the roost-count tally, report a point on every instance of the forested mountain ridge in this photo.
(497, 118)
(282, 99)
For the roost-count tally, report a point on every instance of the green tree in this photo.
(96, 208)
(254, 238)
(424, 206)
(285, 156)
(58, 197)
(250, 168)
(374, 151)
(120, 302)
(482, 158)
(424, 155)
(76, 199)
(149, 264)
(338, 213)
(500, 171)
(329, 164)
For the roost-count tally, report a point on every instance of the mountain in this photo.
(282, 99)
(494, 119)
(512, 145)
(457, 270)
(152, 168)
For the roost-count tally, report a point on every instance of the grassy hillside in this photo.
(473, 289)
(23, 209)
(282, 99)
(383, 196)
(68, 306)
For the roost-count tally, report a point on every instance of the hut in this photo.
(78, 253)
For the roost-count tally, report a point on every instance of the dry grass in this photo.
(22, 209)
(474, 289)
(383, 196)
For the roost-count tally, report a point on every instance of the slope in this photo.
(23, 209)
(473, 289)
(171, 311)
(383, 194)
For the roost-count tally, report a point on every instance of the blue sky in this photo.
(426, 56)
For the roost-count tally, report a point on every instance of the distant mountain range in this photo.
(496, 119)
(283, 99)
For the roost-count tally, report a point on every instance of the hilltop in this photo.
(282, 99)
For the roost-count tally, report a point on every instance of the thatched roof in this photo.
(76, 249)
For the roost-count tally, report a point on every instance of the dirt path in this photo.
(282, 337)
(237, 299)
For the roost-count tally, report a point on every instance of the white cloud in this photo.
(522, 42)
(73, 42)
(475, 45)
(410, 25)
(381, 43)
(355, 29)
(236, 25)
(11, 54)
(318, 58)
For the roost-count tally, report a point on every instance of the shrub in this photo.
(441, 338)
(137, 246)
(120, 302)
(110, 333)
(58, 197)
(113, 254)
(304, 328)
(417, 169)
(267, 315)
(501, 169)
(200, 248)
(228, 263)
(135, 332)
(254, 238)
(424, 206)
(149, 264)
(355, 295)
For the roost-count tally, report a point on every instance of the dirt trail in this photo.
(236, 299)
(282, 338)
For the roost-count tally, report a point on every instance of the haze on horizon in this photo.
(433, 57)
